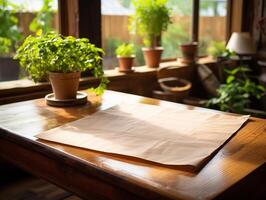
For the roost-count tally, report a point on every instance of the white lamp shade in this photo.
(241, 43)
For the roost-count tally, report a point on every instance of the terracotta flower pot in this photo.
(64, 85)
(152, 56)
(189, 52)
(125, 63)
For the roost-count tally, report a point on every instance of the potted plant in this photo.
(238, 91)
(189, 52)
(125, 54)
(62, 58)
(150, 19)
(9, 38)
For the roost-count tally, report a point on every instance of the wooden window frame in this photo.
(87, 17)
(81, 19)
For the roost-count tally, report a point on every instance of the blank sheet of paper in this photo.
(163, 135)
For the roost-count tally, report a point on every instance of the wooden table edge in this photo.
(124, 186)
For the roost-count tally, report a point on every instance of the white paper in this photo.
(163, 135)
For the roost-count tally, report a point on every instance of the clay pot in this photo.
(64, 85)
(152, 56)
(125, 63)
(189, 52)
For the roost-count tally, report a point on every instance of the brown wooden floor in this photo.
(16, 184)
(31, 188)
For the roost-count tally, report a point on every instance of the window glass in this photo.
(212, 26)
(115, 22)
(180, 30)
(20, 18)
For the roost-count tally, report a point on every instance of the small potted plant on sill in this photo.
(189, 52)
(63, 59)
(151, 18)
(125, 54)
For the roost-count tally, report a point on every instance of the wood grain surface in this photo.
(92, 174)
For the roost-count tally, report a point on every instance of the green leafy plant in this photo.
(9, 32)
(150, 19)
(43, 20)
(125, 50)
(236, 94)
(52, 52)
(218, 49)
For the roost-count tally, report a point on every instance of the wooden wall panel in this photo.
(68, 17)
(236, 19)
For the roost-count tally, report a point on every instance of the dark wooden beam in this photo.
(90, 21)
(81, 18)
(68, 17)
(247, 16)
(229, 19)
(63, 20)
(195, 21)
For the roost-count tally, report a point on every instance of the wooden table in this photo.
(104, 176)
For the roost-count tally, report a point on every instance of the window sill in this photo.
(12, 91)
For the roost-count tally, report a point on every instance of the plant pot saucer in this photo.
(125, 71)
(81, 99)
(175, 85)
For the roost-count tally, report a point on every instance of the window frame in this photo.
(91, 11)
(73, 16)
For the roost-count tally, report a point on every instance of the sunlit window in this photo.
(18, 19)
(212, 27)
(180, 30)
(115, 22)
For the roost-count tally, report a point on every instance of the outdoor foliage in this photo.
(150, 19)
(181, 7)
(125, 50)
(43, 20)
(9, 32)
(184, 7)
(235, 95)
(172, 38)
(218, 49)
(111, 45)
(5, 45)
(125, 3)
(55, 53)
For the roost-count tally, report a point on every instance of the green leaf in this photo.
(261, 87)
(230, 79)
